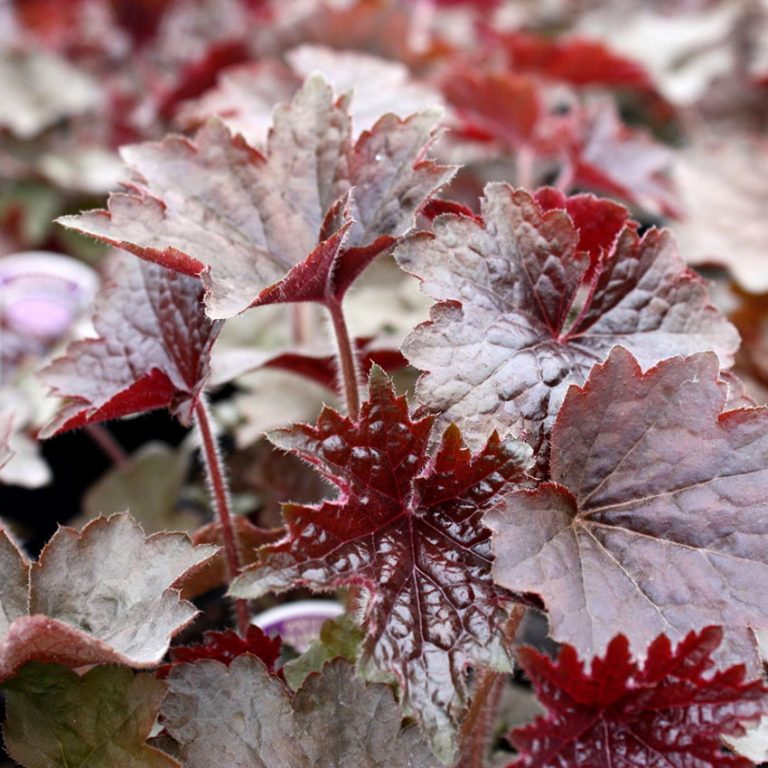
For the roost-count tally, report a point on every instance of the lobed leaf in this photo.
(530, 299)
(118, 603)
(242, 717)
(655, 519)
(671, 711)
(152, 351)
(56, 719)
(405, 526)
(214, 206)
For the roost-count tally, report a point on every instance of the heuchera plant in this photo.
(575, 447)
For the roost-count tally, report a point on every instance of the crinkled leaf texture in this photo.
(152, 351)
(105, 595)
(656, 519)
(502, 346)
(242, 717)
(56, 719)
(406, 526)
(670, 712)
(214, 206)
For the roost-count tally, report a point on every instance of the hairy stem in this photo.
(347, 359)
(478, 727)
(220, 494)
(108, 444)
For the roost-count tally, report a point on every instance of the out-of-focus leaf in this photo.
(148, 485)
(724, 188)
(56, 719)
(578, 61)
(38, 88)
(245, 96)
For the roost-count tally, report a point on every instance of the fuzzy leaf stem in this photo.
(348, 368)
(219, 491)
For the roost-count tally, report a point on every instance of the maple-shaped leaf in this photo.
(406, 527)
(56, 719)
(225, 647)
(303, 219)
(533, 297)
(243, 717)
(119, 602)
(670, 711)
(152, 350)
(655, 519)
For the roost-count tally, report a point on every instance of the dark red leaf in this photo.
(671, 711)
(574, 60)
(498, 105)
(406, 528)
(224, 647)
(153, 350)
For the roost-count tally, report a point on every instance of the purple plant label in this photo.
(298, 624)
(42, 294)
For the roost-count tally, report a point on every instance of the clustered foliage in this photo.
(576, 445)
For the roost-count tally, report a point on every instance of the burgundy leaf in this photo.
(406, 528)
(669, 711)
(213, 206)
(577, 61)
(495, 105)
(152, 351)
(225, 647)
(655, 519)
(524, 312)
